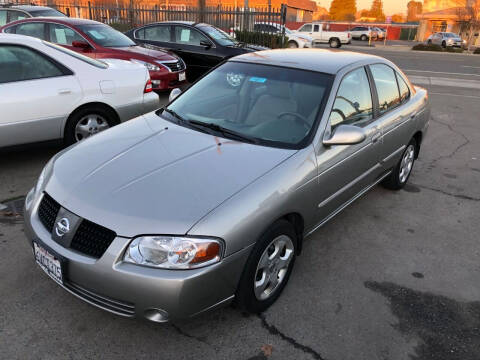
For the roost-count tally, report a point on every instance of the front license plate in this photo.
(182, 76)
(48, 262)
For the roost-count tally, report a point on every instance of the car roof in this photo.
(59, 19)
(31, 7)
(320, 60)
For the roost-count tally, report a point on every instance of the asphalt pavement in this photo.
(394, 276)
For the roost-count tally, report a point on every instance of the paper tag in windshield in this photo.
(258, 79)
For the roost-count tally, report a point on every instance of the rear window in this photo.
(93, 62)
(47, 13)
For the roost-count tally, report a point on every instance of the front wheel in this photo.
(268, 268)
(292, 45)
(334, 43)
(401, 172)
(363, 37)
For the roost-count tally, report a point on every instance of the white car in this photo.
(48, 92)
(295, 40)
(319, 35)
(363, 33)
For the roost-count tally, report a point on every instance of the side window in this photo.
(402, 86)
(158, 33)
(353, 103)
(316, 28)
(62, 35)
(3, 17)
(18, 63)
(306, 28)
(273, 29)
(139, 34)
(35, 29)
(16, 15)
(188, 36)
(386, 84)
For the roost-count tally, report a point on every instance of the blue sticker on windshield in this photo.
(258, 79)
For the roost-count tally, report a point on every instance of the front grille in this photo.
(92, 239)
(175, 66)
(47, 211)
(103, 302)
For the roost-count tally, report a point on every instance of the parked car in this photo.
(363, 33)
(48, 92)
(445, 39)
(9, 13)
(100, 41)
(295, 40)
(201, 46)
(250, 160)
(319, 35)
(381, 33)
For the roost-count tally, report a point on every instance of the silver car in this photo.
(209, 199)
(446, 39)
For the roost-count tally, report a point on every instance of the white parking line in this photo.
(449, 82)
(458, 95)
(440, 72)
(468, 66)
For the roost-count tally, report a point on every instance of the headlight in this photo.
(149, 66)
(171, 252)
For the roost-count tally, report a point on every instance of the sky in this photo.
(390, 7)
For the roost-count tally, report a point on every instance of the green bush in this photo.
(272, 41)
(477, 50)
(427, 47)
(454, 50)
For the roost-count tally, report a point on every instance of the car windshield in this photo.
(451, 35)
(106, 36)
(47, 13)
(270, 105)
(220, 36)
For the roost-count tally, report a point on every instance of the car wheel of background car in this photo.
(88, 121)
(334, 43)
(292, 45)
(444, 44)
(268, 268)
(400, 174)
(363, 37)
(429, 42)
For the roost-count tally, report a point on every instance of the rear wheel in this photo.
(363, 37)
(334, 43)
(444, 44)
(292, 45)
(401, 172)
(268, 268)
(87, 122)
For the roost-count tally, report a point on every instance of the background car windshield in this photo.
(106, 36)
(47, 12)
(277, 106)
(219, 35)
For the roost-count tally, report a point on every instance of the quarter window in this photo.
(316, 28)
(16, 15)
(386, 84)
(62, 35)
(157, 33)
(3, 17)
(353, 103)
(403, 87)
(34, 29)
(188, 36)
(18, 63)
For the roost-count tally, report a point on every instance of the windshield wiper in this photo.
(174, 114)
(223, 131)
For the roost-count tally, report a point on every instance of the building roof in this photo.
(321, 60)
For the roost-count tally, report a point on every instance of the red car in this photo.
(100, 41)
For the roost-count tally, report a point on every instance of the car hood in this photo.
(150, 176)
(142, 52)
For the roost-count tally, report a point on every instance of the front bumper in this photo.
(136, 291)
(162, 81)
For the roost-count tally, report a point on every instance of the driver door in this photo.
(345, 170)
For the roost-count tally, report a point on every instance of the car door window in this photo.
(35, 29)
(157, 33)
(16, 15)
(316, 28)
(63, 35)
(188, 36)
(353, 103)
(18, 63)
(306, 28)
(403, 87)
(386, 84)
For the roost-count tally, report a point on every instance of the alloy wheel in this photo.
(90, 125)
(406, 163)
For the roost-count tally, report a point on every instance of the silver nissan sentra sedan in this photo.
(209, 199)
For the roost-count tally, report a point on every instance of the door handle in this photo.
(412, 116)
(64, 91)
(376, 137)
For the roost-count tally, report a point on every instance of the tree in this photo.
(376, 11)
(468, 12)
(343, 10)
(398, 18)
(414, 9)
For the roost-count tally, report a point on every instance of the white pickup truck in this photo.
(319, 35)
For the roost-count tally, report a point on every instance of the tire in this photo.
(292, 45)
(444, 44)
(334, 43)
(101, 117)
(250, 296)
(364, 37)
(429, 42)
(398, 178)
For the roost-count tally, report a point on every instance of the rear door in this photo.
(65, 36)
(36, 95)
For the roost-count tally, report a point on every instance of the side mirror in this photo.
(346, 135)
(81, 44)
(206, 44)
(173, 94)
